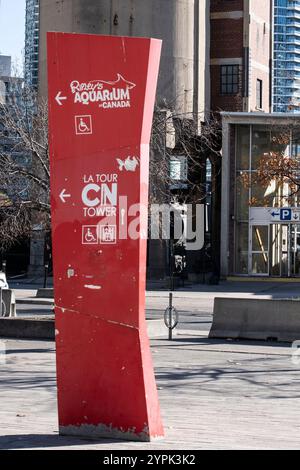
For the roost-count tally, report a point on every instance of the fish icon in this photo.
(130, 164)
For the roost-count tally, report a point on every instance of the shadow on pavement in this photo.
(35, 441)
(185, 339)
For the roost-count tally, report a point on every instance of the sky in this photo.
(12, 29)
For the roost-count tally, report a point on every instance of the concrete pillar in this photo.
(225, 198)
(181, 24)
(37, 251)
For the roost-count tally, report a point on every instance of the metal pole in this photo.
(170, 315)
(171, 262)
(1, 305)
(45, 275)
(4, 266)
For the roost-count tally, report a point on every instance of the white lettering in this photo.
(85, 195)
(108, 195)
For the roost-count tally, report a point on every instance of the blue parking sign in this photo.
(286, 214)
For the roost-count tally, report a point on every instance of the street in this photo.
(194, 304)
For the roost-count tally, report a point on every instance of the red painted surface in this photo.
(101, 99)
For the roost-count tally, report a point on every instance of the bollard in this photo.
(171, 317)
(4, 266)
(45, 275)
(2, 312)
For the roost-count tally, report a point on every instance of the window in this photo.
(178, 168)
(259, 92)
(229, 79)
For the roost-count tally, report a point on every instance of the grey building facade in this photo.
(184, 80)
(181, 24)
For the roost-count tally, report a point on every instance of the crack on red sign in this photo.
(113, 322)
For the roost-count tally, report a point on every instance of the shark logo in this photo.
(119, 83)
(107, 94)
(130, 164)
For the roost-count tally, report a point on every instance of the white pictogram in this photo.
(130, 164)
(59, 98)
(63, 196)
(108, 234)
(123, 212)
(89, 235)
(83, 125)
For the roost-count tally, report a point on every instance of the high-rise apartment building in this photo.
(240, 55)
(286, 62)
(32, 43)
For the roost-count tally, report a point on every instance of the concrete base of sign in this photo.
(256, 319)
(102, 431)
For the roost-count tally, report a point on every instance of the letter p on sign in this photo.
(286, 214)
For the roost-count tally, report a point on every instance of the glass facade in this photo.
(286, 63)
(263, 246)
(32, 43)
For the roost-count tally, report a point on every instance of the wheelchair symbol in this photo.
(83, 125)
(89, 235)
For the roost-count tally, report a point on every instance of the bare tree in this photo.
(178, 160)
(277, 170)
(181, 146)
(179, 154)
(24, 165)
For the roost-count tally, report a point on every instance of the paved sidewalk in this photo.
(195, 304)
(213, 394)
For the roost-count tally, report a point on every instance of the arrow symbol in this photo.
(275, 214)
(63, 196)
(60, 98)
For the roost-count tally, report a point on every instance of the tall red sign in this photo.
(101, 99)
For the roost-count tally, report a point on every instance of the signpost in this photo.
(101, 99)
(274, 215)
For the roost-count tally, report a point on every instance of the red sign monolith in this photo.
(101, 99)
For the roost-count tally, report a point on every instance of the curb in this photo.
(34, 301)
(21, 328)
(33, 328)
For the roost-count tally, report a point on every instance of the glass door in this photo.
(279, 250)
(259, 250)
(294, 250)
(285, 250)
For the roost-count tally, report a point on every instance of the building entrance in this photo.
(275, 250)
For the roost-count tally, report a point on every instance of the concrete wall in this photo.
(260, 52)
(241, 35)
(256, 319)
(182, 24)
(227, 26)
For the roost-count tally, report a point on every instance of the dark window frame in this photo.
(229, 79)
(259, 93)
